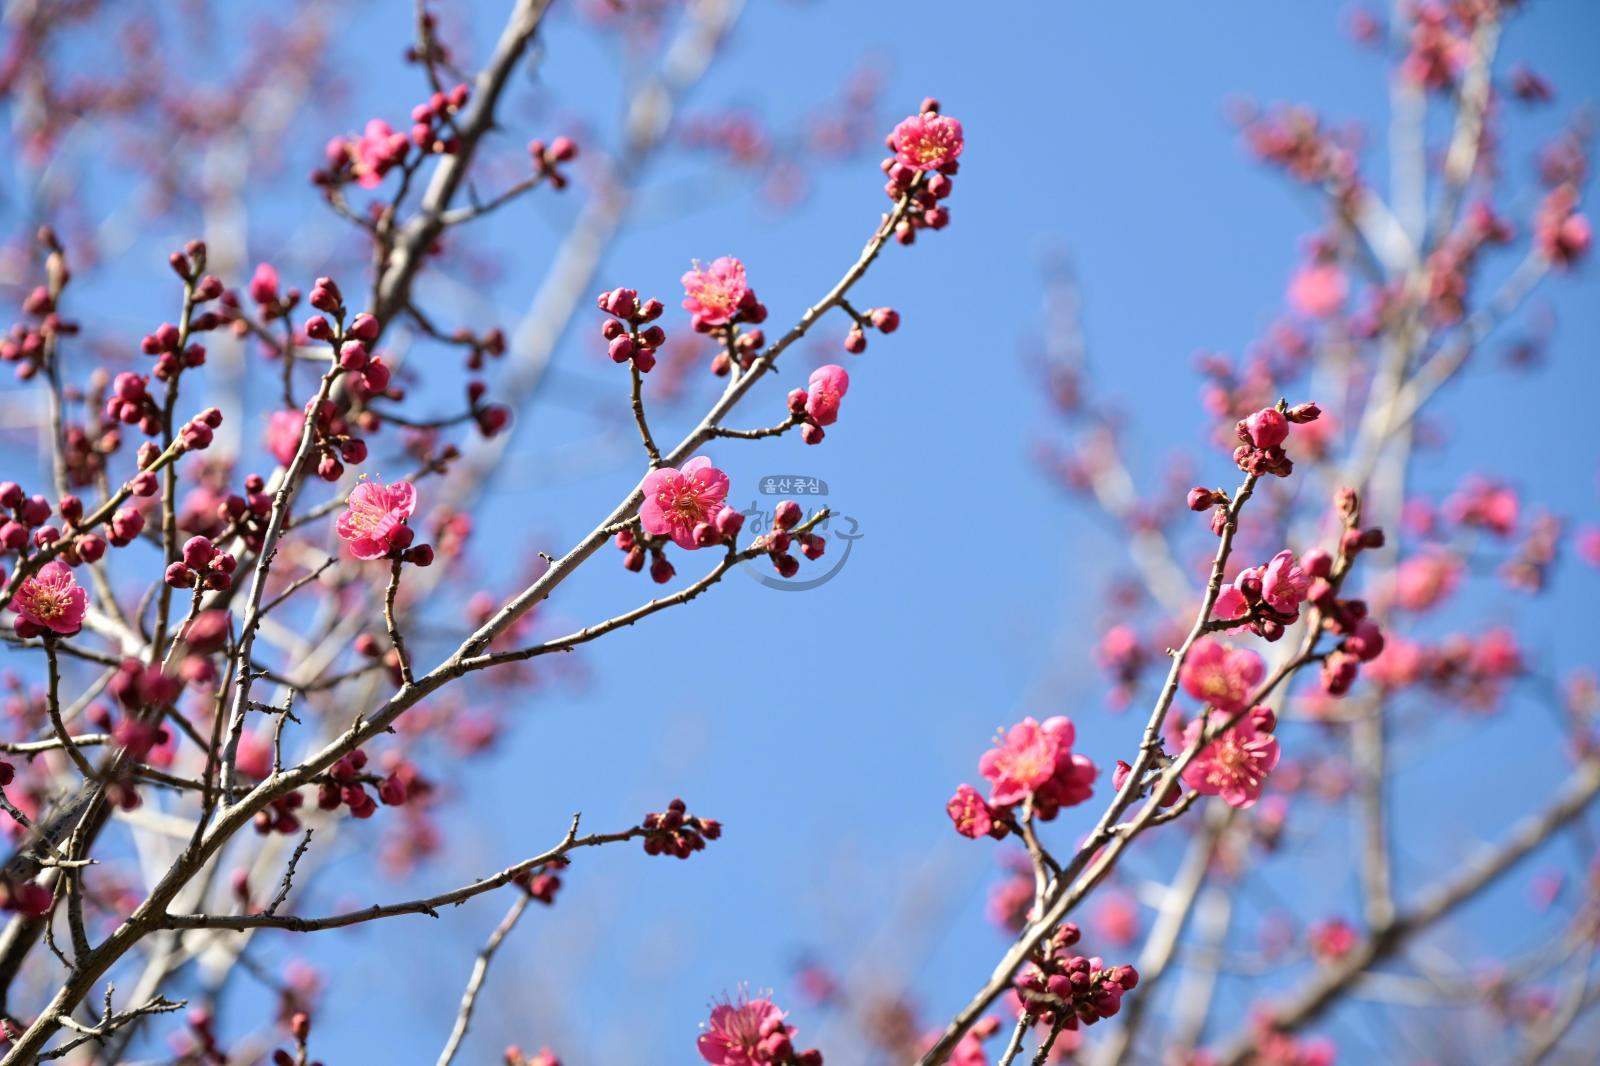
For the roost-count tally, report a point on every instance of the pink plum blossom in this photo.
(374, 522)
(1318, 290)
(1423, 580)
(283, 434)
(377, 149)
(1024, 758)
(1236, 764)
(928, 141)
(676, 501)
(50, 600)
(1037, 759)
(749, 1032)
(827, 386)
(1221, 676)
(1231, 604)
(971, 815)
(1284, 584)
(714, 294)
(1116, 920)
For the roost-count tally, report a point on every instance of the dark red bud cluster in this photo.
(202, 564)
(543, 882)
(676, 832)
(140, 687)
(279, 816)
(432, 121)
(1058, 987)
(1262, 436)
(780, 540)
(346, 787)
(547, 157)
(628, 337)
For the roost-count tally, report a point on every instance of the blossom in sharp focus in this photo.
(928, 141)
(1284, 584)
(50, 600)
(1236, 764)
(714, 294)
(1221, 676)
(676, 501)
(374, 522)
(1037, 759)
(827, 386)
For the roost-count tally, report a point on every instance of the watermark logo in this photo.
(841, 531)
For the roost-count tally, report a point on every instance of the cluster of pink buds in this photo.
(1438, 48)
(491, 342)
(28, 522)
(365, 159)
(627, 334)
(927, 148)
(26, 344)
(247, 515)
(1295, 139)
(141, 687)
(130, 402)
(345, 785)
(433, 121)
(202, 565)
(128, 522)
(1058, 987)
(196, 434)
(543, 882)
(263, 289)
(780, 540)
(817, 405)
(279, 816)
(676, 832)
(1560, 233)
(334, 442)
(1262, 436)
(547, 157)
(490, 417)
(138, 738)
(1450, 266)
(1031, 764)
(1363, 640)
(883, 319)
(164, 344)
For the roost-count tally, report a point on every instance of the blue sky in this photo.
(826, 729)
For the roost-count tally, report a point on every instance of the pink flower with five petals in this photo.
(374, 521)
(676, 501)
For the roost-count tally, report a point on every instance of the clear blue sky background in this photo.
(828, 728)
